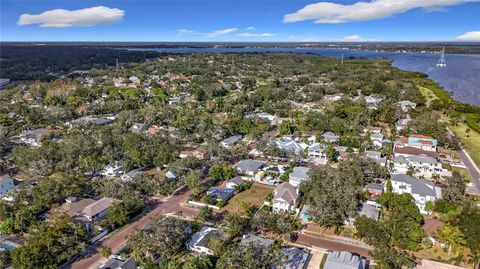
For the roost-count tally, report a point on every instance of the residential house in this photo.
(7, 184)
(97, 121)
(295, 258)
(374, 190)
(423, 165)
(35, 137)
(376, 156)
(430, 227)
(249, 167)
(318, 153)
(199, 154)
(367, 210)
(377, 140)
(256, 240)
(285, 198)
(199, 241)
(402, 124)
(289, 145)
(132, 174)
(112, 170)
(333, 97)
(371, 130)
(424, 142)
(274, 120)
(406, 105)
(299, 174)
(330, 137)
(422, 191)
(410, 151)
(234, 182)
(98, 209)
(120, 263)
(220, 194)
(373, 101)
(139, 128)
(230, 141)
(344, 260)
(170, 176)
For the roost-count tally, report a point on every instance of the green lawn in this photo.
(428, 94)
(464, 172)
(470, 143)
(254, 196)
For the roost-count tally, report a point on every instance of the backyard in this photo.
(255, 196)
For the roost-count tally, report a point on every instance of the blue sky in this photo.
(240, 20)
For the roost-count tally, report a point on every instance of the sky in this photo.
(240, 20)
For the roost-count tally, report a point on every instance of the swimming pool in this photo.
(8, 246)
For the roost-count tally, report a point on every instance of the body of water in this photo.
(461, 76)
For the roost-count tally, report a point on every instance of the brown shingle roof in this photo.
(431, 226)
(98, 206)
(416, 151)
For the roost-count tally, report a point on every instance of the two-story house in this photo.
(285, 198)
(298, 175)
(423, 165)
(421, 190)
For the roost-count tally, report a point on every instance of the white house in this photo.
(200, 240)
(406, 105)
(421, 190)
(249, 167)
(288, 144)
(285, 198)
(299, 174)
(318, 153)
(423, 165)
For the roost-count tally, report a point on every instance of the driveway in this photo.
(170, 205)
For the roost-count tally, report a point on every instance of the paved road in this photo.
(314, 241)
(472, 168)
(171, 205)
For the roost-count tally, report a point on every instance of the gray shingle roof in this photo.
(250, 165)
(421, 187)
(286, 192)
(296, 258)
(300, 172)
(254, 239)
(232, 139)
(343, 260)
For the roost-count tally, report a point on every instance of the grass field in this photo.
(254, 196)
(464, 172)
(428, 94)
(470, 143)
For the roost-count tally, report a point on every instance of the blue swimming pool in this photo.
(7, 246)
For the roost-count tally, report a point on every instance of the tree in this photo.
(452, 237)
(396, 233)
(50, 244)
(333, 193)
(252, 256)
(165, 237)
(197, 262)
(468, 222)
(454, 189)
(205, 214)
(105, 251)
(117, 215)
(285, 128)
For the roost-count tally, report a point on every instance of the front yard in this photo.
(255, 196)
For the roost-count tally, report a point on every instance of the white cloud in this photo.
(185, 32)
(221, 32)
(69, 18)
(352, 38)
(251, 28)
(469, 36)
(328, 12)
(256, 34)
